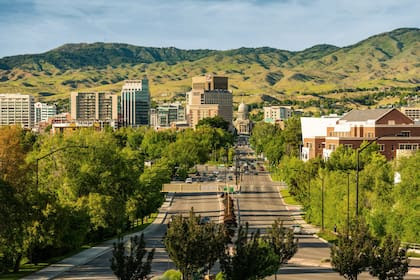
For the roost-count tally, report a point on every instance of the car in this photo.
(189, 180)
(297, 228)
(220, 179)
(246, 172)
(230, 177)
(204, 220)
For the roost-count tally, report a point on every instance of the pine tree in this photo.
(389, 260)
(131, 266)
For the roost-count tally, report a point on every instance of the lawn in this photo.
(288, 198)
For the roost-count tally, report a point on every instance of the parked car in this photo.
(189, 180)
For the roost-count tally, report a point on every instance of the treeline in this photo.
(275, 142)
(59, 192)
(388, 208)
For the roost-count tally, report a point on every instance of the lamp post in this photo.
(322, 204)
(358, 151)
(348, 203)
(51, 153)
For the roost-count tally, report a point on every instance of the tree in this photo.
(216, 122)
(131, 266)
(253, 257)
(389, 260)
(352, 253)
(192, 246)
(283, 242)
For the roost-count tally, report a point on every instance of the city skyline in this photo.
(36, 26)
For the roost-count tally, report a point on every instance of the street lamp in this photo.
(358, 151)
(51, 153)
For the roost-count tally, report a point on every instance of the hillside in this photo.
(387, 59)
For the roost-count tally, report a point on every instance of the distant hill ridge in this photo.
(390, 58)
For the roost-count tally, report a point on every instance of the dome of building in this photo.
(243, 108)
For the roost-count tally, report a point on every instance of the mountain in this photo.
(383, 60)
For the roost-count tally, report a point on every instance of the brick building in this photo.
(396, 133)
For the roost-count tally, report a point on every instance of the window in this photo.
(404, 134)
(369, 135)
(381, 147)
(391, 122)
(319, 146)
(392, 147)
(348, 146)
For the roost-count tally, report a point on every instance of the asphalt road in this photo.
(206, 204)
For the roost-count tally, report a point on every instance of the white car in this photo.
(188, 180)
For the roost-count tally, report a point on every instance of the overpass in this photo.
(205, 187)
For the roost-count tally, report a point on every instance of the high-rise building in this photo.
(209, 97)
(135, 103)
(17, 109)
(44, 111)
(94, 106)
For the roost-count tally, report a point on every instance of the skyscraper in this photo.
(135, 103)
(209, 97)
(43, 111)
(17, 109)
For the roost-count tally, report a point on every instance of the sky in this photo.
(35, 26)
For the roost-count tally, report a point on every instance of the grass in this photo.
(288, 198)
(328, 236)
(28, 268)
(412, 254)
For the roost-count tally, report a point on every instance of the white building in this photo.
(43, 111)
(275, 114)
(17, 109)
(314, 131)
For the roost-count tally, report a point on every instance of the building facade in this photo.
(135, 103)
(164, 115)
(243, 124)
(412, 112)
(94, 106)
(209, 97)
(395, 133)
(275, 114)
(44, 111)
(17, 109)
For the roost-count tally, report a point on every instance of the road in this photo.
(205, 204)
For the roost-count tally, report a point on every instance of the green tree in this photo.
(389, 261)
(192, 246)
(352, 254)
(215, 122)
(253, 257)
(129, 265)
(282, 241)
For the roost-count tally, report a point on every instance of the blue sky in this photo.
(34, 26)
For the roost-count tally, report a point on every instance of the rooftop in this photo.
(365, 115)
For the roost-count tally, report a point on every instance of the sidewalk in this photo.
(297, 213)
(90, 254)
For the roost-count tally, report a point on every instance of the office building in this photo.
(209, 97)
(275, 114)
(17, 109)
(395, 133)
(135, 103)
(94, 106)
(44, 111)
(412, 112)
(166, 114)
